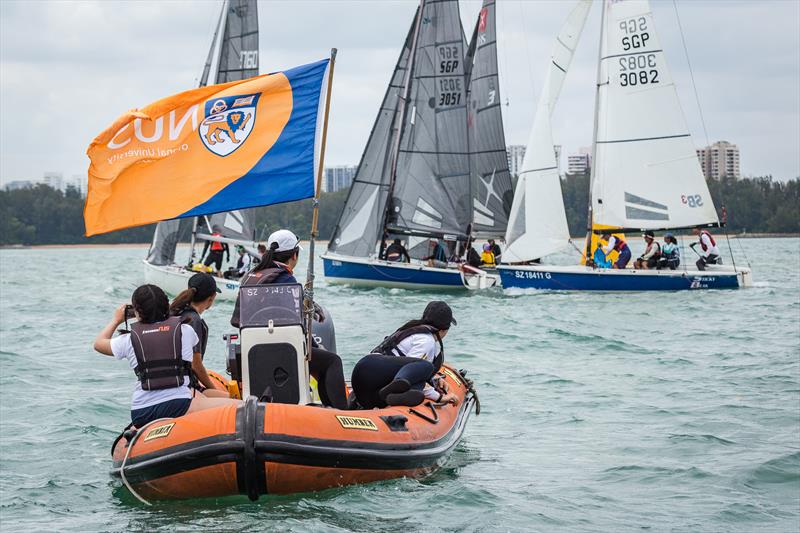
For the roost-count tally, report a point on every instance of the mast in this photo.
(401, 117)
(590, 223)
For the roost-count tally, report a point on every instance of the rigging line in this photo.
(747, 259)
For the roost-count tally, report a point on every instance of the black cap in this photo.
(204, 284)
(439, 315)
(650, 234)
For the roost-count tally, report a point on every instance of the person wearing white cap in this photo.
(277, 266)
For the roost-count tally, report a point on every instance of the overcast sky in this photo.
(68, 69)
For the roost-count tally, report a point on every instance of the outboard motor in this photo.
(272, 362)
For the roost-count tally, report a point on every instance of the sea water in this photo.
(601, 412)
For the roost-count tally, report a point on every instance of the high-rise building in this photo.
(515, 154)
(338, 177)
(720, 160)
(580, 163)
(54, 180)
(78, 182)
(18, 184)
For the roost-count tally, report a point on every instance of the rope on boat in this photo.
(125, 460)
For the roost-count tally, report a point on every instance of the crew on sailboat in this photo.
(710, 255)
(620, 246)
(275, 267)
(670, 253)
(652, 252)
(438, 257)
(401, 369)
(496, 251)
(396, 253)
(215, 255)
(242, 264)
(487, 257)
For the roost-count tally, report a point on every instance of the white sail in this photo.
(538, 223)
(646, 174)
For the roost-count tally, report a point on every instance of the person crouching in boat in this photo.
(620, 246)
(400, 370)
(710, 255)
(198, 297)
(277, 266)
(159, 350)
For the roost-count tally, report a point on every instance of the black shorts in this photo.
(168, 409)
(214, 256)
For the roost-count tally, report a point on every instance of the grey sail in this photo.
(492, 190)
(360, 224)
(237, 60)
(432, 192)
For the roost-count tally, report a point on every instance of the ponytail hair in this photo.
(272, 256)
(416, 322)
(182, 301)
(150, 303)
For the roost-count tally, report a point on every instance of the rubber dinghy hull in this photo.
(266, 448)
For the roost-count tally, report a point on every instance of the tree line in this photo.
(43, 215)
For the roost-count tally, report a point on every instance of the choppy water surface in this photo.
(601, 412)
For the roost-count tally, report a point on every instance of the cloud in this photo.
(67, 69)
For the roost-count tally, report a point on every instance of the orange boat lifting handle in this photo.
(434, 420)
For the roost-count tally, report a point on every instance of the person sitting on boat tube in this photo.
(438, 257)
(487, 257)
(670, 253)
(159, 349)
(396, 253)
(198, 297)
(400, 370)
(652, 252)
(616, 243)
(215, 255)
(710, 255)
(275, 267)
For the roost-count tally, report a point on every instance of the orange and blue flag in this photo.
(232, 146)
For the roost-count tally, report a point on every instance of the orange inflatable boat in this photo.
(272, 448)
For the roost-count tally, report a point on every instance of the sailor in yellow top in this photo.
(487, 257)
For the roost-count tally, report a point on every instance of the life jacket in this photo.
(158, 350)
(702, 244)
(194, 317)
(487, 258)
(389, 344)
(669, 250)
(216, 246)
(619, 244)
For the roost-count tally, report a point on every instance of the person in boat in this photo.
(215, 253)
(276, 267)
(620, 246)
(710, 255)
(159, 349)
(652, 252)
(396, 253)
(473, 257)
(438, 257)
(498, 253)
(192, 302)
(242, 264)
(487, 257)
(670, 253)
(401, 370)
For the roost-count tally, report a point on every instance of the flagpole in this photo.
(309, 287)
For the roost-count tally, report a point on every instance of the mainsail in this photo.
(237, 59)
(538, 221)
(645, 173)
(491, 181)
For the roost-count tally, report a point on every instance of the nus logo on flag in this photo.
(227, 122)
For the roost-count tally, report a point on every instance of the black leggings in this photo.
(326, 367)
(373, 372)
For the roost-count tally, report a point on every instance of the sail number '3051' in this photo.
(450, 90)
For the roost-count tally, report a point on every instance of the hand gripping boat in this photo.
(287, 444)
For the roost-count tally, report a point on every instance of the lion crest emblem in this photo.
(228, 123)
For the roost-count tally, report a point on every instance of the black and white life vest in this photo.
(389, 344)
(158, 349)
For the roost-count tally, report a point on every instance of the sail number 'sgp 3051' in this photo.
(638, 68)
(451, 90)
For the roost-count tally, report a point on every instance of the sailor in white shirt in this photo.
(710, 254)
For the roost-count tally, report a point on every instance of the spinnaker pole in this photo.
(309, 286)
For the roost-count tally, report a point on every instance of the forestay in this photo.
(538, 222)
(646, 172)
(491, 181)
(360, 224)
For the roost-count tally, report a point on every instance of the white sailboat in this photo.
(645, 172)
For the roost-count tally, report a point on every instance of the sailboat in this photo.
(645, 172)
(236, 51)
(434, 166)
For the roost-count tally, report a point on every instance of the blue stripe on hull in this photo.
(385, 275)
(598, 281)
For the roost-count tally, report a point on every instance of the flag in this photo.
(231, 146)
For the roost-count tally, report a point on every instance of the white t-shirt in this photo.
(421, 346)
(710, 248)
(122, 348)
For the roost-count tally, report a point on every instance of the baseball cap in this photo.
(438, 314)
(649, 233)
(286, 240)
(204, 284)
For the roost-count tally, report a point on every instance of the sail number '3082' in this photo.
(637, 68)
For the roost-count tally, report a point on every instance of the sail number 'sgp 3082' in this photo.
(637, 68)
